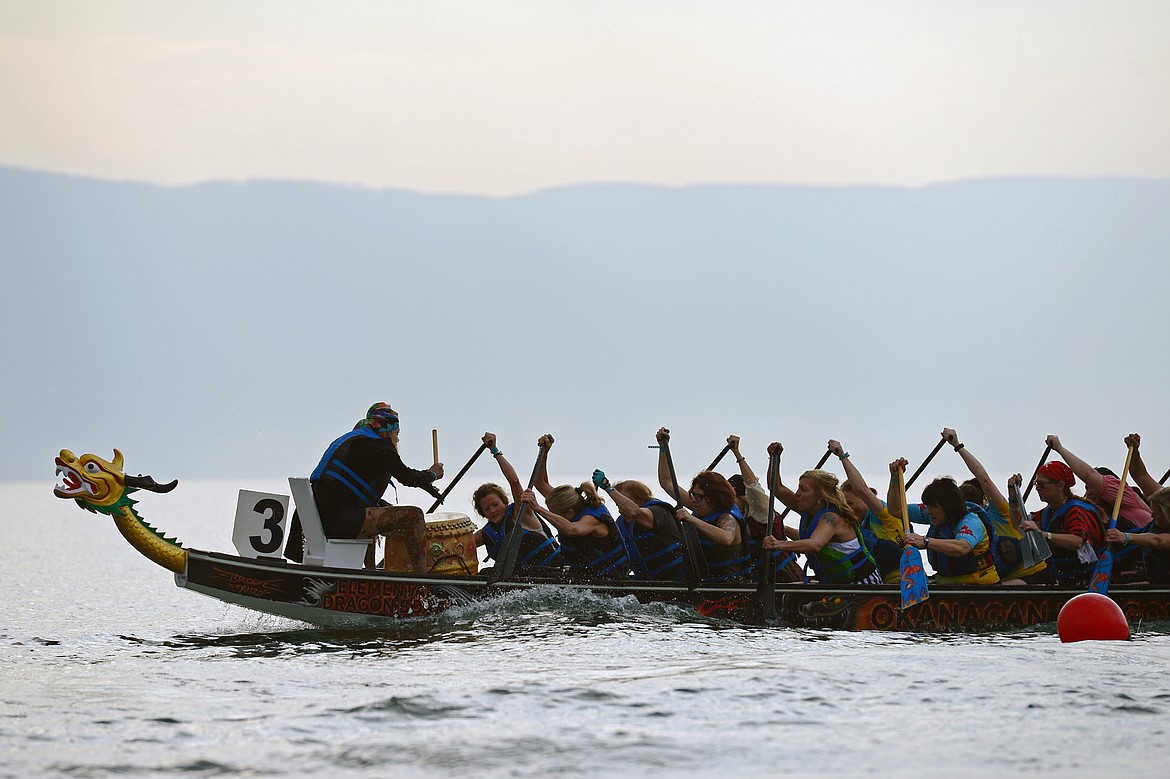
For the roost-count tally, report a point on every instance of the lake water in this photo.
(106, 668)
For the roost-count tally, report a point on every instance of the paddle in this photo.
(910, 481)
(510, 549)
(435, 443)
(1165, 476)
(766, 586)
(689, 538)
(718, 459)
(820, 463)
(1034, 548)
(925, 463)
(913, 575)
(458, 476)
(1104, 570)
(1032, 481)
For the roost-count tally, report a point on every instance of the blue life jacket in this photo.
(1064, 565)
(535, 549)
(331, 467)
(651, 556)
(946, 565)
(599, 556)
(727, 562)
(830, 565)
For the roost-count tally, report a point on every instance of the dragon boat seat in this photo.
(319, 550)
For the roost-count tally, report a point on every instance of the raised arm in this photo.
(1085, 472)
(506, 469)
(854, 477)
(893, 494)
(783, 494)
(755, 495)
(1137, 467)
(989, 487)
(745, 470)
(664, 480)
(541, 481)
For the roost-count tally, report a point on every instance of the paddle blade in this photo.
(766, 588)
(696, 562)
(1102, 573)
(914, 589)
(509, 549)
(1034, 548)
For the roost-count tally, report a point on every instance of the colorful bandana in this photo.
(380, 418)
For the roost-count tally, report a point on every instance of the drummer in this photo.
(351, 478)
(537, 546)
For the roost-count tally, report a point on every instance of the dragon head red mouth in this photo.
(89, 478)
(70, 484)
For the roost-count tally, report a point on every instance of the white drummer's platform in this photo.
(319, 550)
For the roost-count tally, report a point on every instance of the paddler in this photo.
(981, 492)
(1072, 526)
(709, 506)
(351, 478)
(958, 543)
(752, 500)
(1101, 485)
(1154, 540)
(828, 534)
(648, 528)
(537, 545)
(591, 543)
(881, 530)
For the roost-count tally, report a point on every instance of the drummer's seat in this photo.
(319, 550)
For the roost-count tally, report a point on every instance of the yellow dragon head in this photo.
(98, 484)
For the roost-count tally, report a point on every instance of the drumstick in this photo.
(435, 442)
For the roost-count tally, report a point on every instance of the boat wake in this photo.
(529, 610)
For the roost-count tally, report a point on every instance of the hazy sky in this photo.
(506, 96)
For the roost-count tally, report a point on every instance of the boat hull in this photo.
(342, 597)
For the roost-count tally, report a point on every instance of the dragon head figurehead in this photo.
(101, 486)
(93, 482)
(98, 484)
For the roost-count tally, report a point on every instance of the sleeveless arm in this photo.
(872, 501)
(1085, 472)
(1137, 467)
(986, 483)
(725, 532)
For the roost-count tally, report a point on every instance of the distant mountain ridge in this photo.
(234, 328)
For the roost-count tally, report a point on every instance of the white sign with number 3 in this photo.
(261, 524)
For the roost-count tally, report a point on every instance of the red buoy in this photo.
(1091, 616)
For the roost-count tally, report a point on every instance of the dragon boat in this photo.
(335, 591)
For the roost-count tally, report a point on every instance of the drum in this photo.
(451, 544)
